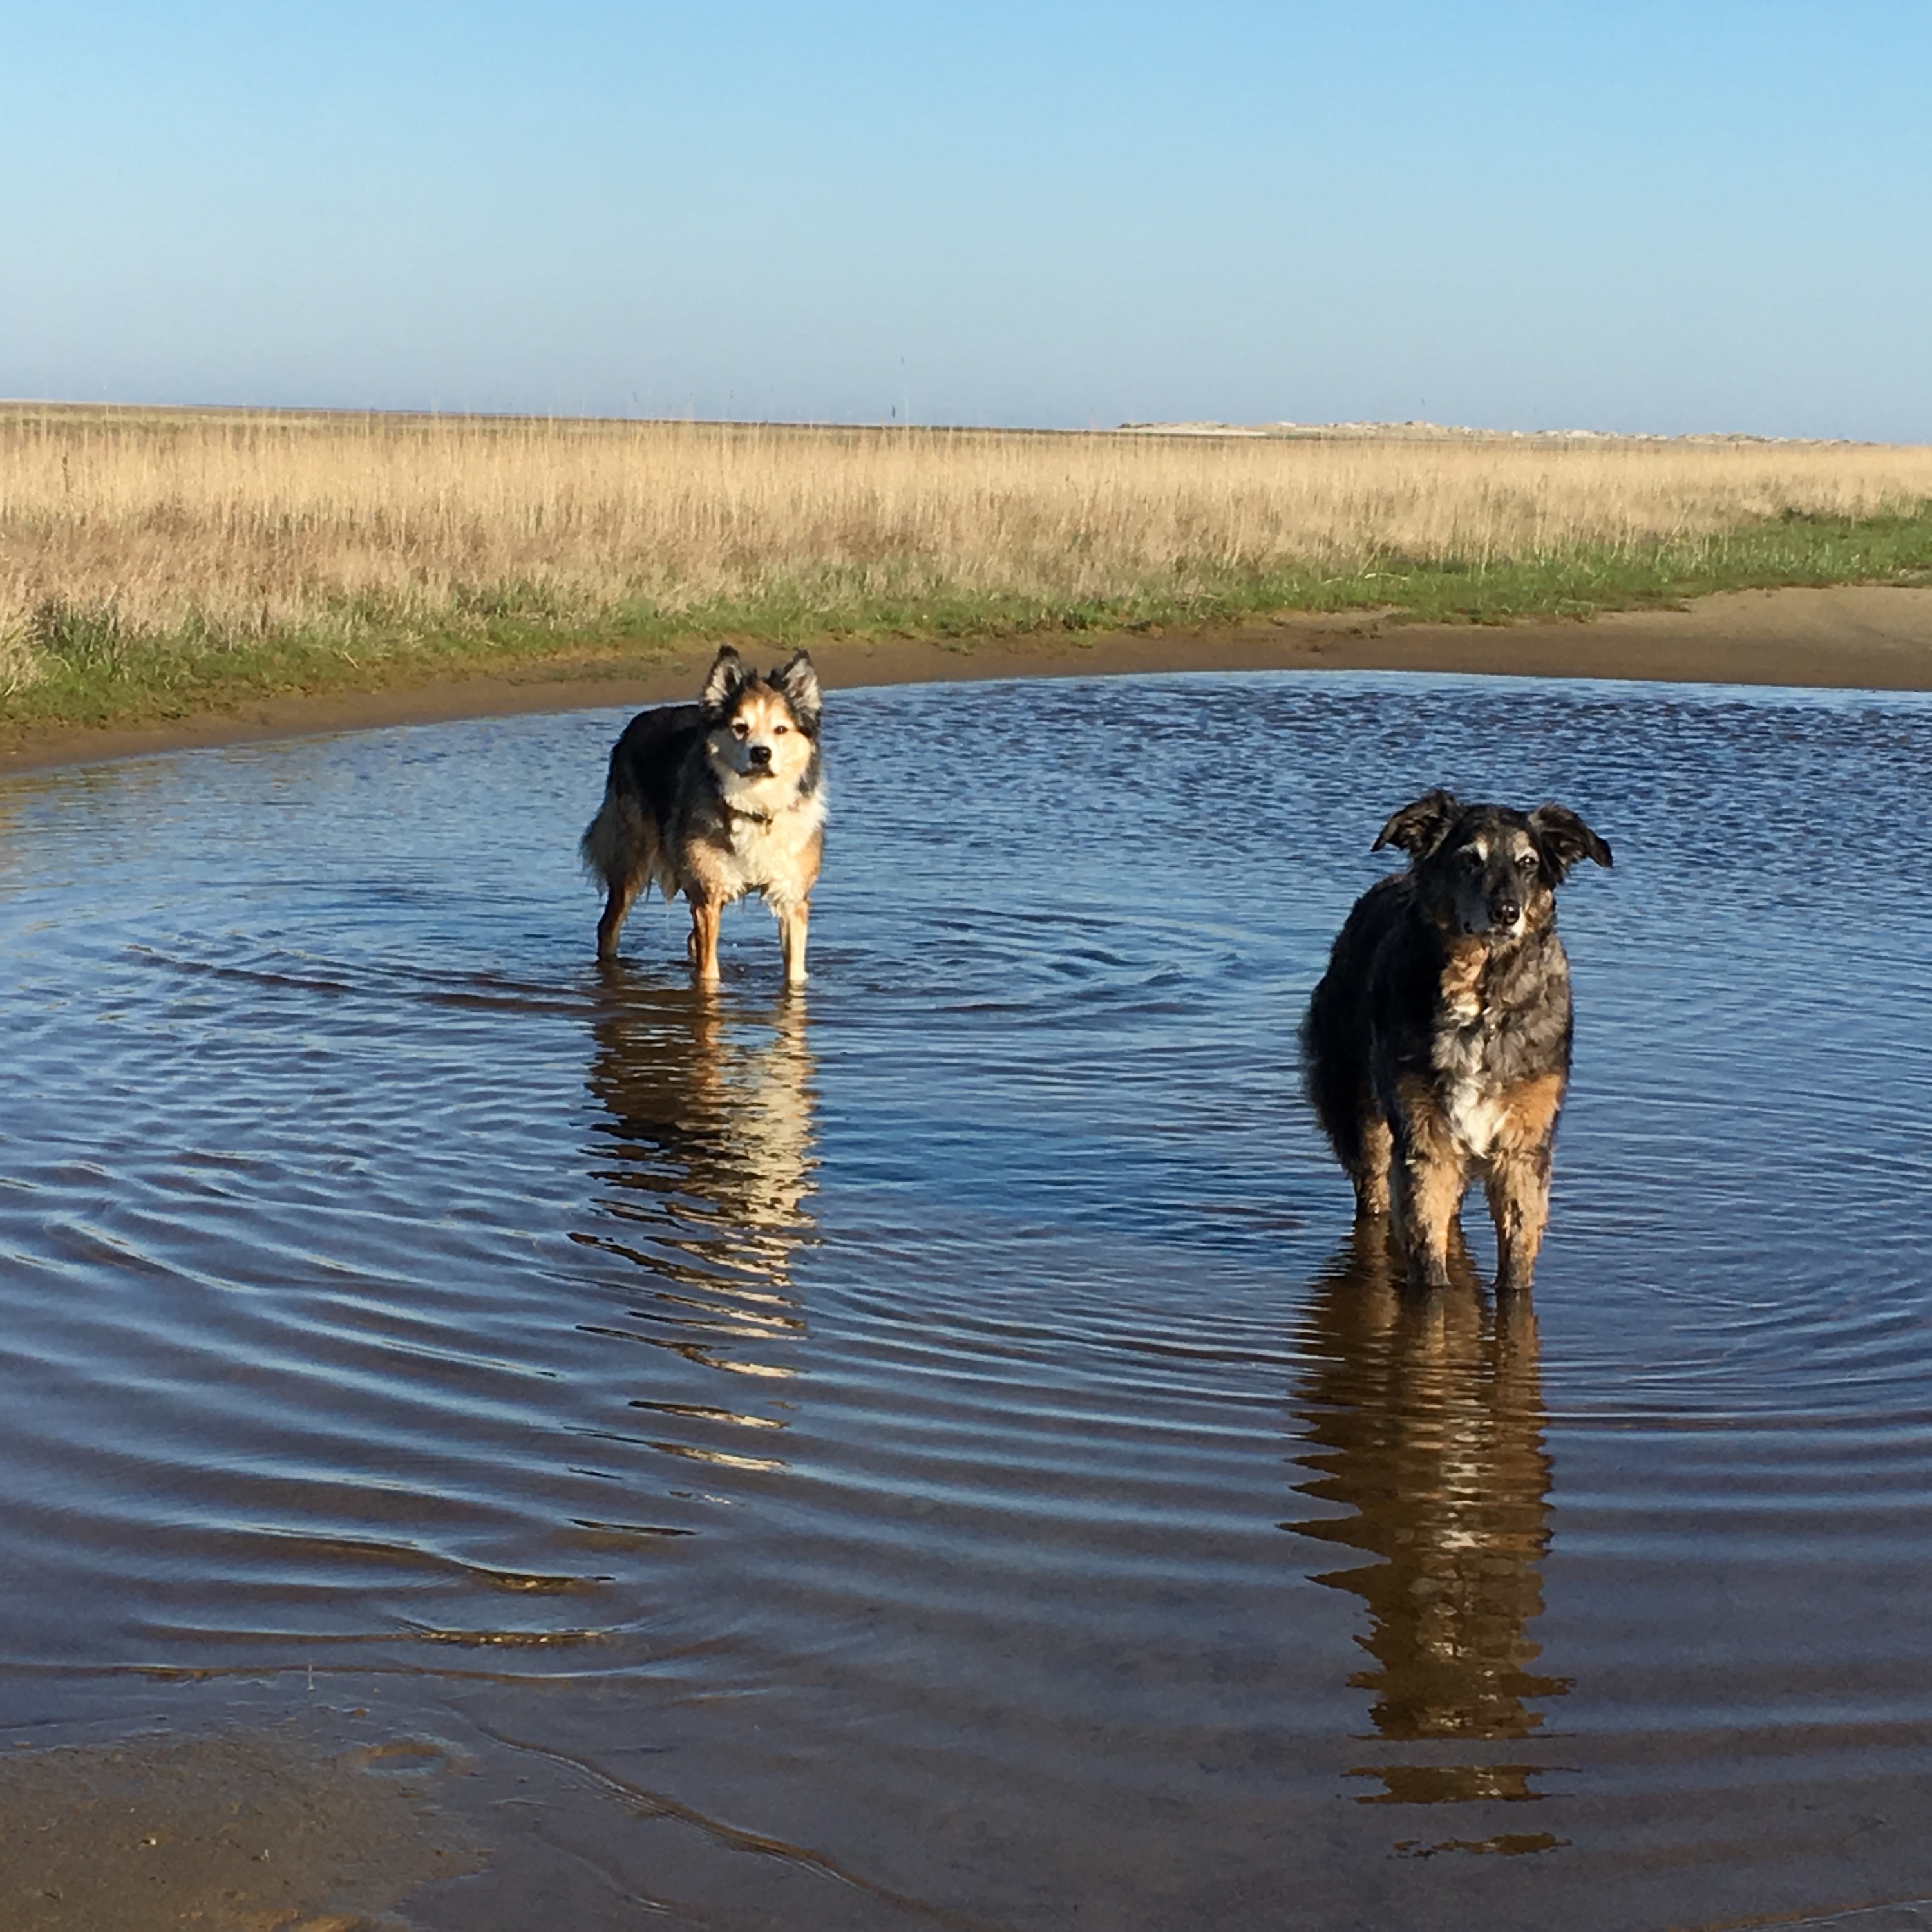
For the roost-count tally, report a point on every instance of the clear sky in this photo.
(1634, 217)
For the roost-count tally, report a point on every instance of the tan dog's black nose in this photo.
(759, 754)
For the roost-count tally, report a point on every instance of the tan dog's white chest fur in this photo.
(772, 855)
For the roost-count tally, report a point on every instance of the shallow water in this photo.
(929, 1452)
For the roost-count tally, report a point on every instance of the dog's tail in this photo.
(1334, 1080)
(622, 848)
(608, 847)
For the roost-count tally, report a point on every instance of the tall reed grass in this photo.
(123, 531)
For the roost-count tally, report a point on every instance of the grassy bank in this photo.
(160, 564)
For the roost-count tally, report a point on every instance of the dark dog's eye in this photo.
(1526, 862)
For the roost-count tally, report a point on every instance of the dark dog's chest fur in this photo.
(1466, 1015)
(1404, 1004)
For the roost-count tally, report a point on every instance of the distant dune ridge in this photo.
(204, 530)
(1418, 431)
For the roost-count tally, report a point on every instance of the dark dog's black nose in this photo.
(1505, 911)
(759, 754)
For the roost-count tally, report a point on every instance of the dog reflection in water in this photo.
(1423, 1418)
(711, 1129)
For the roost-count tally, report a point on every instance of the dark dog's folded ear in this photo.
(1567, 838)
(726, 678)
(1418, 829)
(799, 683)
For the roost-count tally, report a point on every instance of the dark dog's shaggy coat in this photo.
(1437, 1045)
(716, 799)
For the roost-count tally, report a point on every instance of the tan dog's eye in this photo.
(779, 730)
(740, 729)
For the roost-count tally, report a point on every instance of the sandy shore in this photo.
(1847, 637)
(234, 1830)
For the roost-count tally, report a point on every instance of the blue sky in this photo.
(1632, 217)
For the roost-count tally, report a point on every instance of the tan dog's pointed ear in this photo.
(1419, 828)
(727, 677)
(798, 681)
(1566, 838)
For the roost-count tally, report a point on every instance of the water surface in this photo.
(930, 1451)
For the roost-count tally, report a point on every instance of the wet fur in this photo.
(715, 800)
(1436, 1047)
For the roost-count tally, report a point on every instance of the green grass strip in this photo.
(93, 671)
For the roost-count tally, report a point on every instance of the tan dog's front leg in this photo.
(705, 914)
(793, 922)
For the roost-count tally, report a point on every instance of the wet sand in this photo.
(1853, 638)
(236, 1832)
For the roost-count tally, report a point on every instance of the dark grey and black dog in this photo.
(716, 799)
(1437, 1045)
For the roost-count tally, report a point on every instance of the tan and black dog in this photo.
(716, 799)
(1437, 1045)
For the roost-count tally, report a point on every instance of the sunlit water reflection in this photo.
(940, 1431)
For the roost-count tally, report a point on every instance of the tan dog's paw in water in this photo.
(716, 799)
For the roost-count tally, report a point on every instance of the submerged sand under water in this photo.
(931, 1453)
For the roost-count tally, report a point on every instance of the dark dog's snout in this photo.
(1506, 909)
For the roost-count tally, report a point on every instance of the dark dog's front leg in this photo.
(1518, 1182)
(1427, 1194)
(1429, 1173)
(1518, 1186)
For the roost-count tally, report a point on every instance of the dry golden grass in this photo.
(243, 525)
